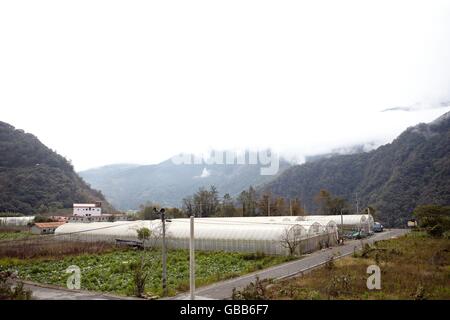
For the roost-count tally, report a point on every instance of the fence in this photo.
(272, 247)
(241, 237)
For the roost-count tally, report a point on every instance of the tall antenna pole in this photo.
(357, 204)
(192, 260)
(268, 205)
(164, 255)
(164, 249)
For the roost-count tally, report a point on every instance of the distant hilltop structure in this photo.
(92, 212)
(87, 209)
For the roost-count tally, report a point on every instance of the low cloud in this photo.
(205, 174)
(418, 107)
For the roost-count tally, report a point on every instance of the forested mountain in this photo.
(34, 179)
(414, 169)
(167, 183)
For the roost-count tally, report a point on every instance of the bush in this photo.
(140, 275)
(10, 292)
(254, 256)
(339, 284)
(330, 265)
(254, 291)
(435, 220)
(436, 231)
(420, 293)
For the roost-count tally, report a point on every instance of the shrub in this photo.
(254, 291)
(143, 233)
(420, 293)
(436, 231)
(330, 265)
(434, 219)
(339, 284)
(10, 292)
(140, 276)
(254, 256)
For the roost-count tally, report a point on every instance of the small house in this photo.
(412, 223)
(45, 227)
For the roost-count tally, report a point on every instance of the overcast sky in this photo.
(109, 81)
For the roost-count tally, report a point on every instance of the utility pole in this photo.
(268, 205)
(192, 260)
(342, 227)
(290, 206)
(357, 204)
(164, 249)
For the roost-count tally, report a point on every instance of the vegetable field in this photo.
(113, 272)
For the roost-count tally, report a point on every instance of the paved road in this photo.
(48, 292)
(223, 290)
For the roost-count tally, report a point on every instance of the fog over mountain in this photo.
(167, 183)
(412, 170)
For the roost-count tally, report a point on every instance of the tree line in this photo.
(208, 203)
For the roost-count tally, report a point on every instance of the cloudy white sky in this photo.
(138, 81)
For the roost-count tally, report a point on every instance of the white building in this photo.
(87, 209)
(45, 227)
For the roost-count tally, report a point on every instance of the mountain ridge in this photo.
(35, 179)
(168, 183)
(413, 169)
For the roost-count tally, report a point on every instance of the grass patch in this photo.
(14, 235)
(412, 267)
(112, 271)
(47, 247)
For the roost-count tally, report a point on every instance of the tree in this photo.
(243, 201)
(175, 213)
(329, 205)
(188, 206)
(228, 209)
(263, 204)
(206, 203)
(322, 199)
(143, 234)
(147, 212)
(296, 207)
(279, 208)
(434, 219)
(247, 198)
(291, 238)
(140, 275)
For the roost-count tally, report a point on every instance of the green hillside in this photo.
(412, 170)
(35, 179)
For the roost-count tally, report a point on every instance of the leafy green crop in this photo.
(112, 272)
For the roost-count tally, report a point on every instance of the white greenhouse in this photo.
(351, 221)
(16, 221)
(213, 234)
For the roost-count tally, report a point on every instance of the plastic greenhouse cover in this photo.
(180, 228)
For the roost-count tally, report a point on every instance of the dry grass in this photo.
(7, 229)
(412, 267)
(51, 248)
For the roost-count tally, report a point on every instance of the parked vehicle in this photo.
(359, 235)
(378, 227)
